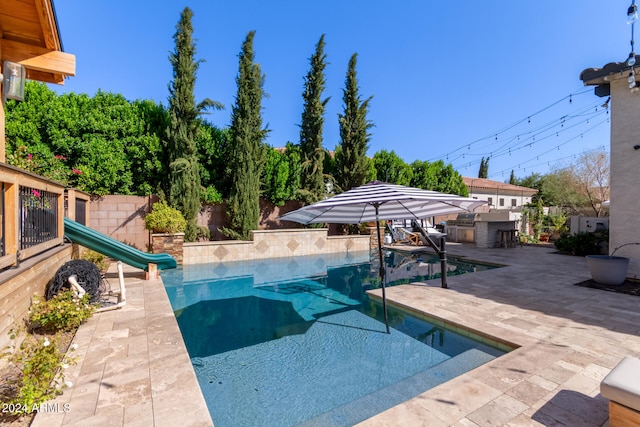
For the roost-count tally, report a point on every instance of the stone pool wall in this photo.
(274, 244)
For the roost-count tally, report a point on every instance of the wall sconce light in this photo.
(14, 76)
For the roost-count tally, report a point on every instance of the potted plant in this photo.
(609, 269)
(167, 226)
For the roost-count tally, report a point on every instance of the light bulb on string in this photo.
(631, 60)
(632, 14)
(631, 79)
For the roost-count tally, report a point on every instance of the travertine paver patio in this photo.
(570, 337)
(134, 370)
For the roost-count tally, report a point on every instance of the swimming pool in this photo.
(297, 341)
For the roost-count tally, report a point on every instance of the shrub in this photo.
(40, 362)
(165, 219)
(204, 234)
(211, 195)
(101, 261)
(581, 244)
(63, 312)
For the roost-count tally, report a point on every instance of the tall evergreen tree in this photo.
(184, 176)
(512, 178)
(312, 177)
(247, 151)
(352, 164)
(483, 171)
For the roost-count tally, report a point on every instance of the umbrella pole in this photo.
(443, 263)
(382, 272)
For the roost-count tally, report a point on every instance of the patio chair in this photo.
(406, 236)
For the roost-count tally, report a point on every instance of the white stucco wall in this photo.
(496, 196)
(624, 214)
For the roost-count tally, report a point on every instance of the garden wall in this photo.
(214, 218)
(122, 218)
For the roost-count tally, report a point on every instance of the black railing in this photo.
(38, 216)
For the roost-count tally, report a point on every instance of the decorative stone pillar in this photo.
(168, 243)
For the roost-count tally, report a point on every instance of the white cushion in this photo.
(622, 385)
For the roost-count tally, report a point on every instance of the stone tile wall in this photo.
(171, 244)
(274, 244)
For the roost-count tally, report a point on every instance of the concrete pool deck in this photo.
(133, 368)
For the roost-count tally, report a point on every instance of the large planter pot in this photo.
(608, 270)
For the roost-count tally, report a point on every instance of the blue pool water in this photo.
(297, 341)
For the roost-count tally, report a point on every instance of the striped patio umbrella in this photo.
(380, 200)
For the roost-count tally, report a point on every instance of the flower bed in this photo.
(39, 356)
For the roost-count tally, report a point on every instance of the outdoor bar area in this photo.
(486, 229)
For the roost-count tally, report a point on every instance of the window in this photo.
(514, 203)
(490, 200)
(501, 201)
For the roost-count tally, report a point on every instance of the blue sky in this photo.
(455, 81)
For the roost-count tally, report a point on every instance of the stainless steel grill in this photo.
(464, 220)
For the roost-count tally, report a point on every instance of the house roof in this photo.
(29, 35)
(480, 184)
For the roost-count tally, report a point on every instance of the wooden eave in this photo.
(29, 35)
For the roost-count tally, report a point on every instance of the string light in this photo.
(632, 17)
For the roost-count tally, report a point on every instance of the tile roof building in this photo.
(499, 195)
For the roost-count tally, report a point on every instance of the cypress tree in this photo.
(352, 164)
(312, 177)
(247, 151)
(483, 171)
(184, 175)
(512, 178)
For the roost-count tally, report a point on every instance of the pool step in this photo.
(388, 397)
(311, 299)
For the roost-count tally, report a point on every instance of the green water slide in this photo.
(96, 241)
